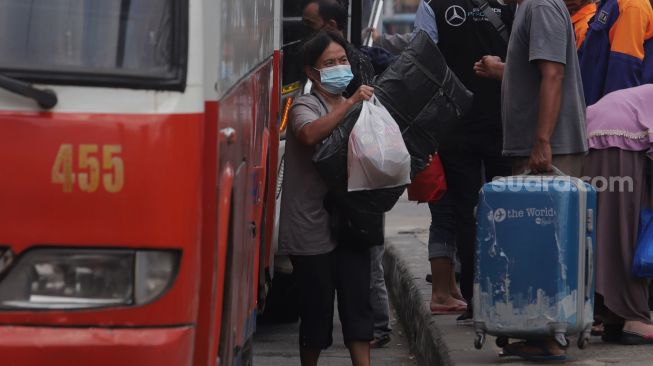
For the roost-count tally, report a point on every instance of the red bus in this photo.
(135, 218)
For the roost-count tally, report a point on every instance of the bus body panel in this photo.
(248, 39)
(160, 168)
(96, 346)
(273, 160)
(95, 100)
(161, 172)
(263, 90)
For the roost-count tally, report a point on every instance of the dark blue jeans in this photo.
(442, 237)
(452, 218)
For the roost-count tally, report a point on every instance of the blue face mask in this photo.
(335, 79)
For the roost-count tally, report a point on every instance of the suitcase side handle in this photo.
(589, 267)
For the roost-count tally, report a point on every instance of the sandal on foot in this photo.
(466, 319)
(516, 349)
(379, 342)
(631, 338)
(448, 309)
(598, 328)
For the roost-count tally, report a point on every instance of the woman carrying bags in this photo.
(323, 266)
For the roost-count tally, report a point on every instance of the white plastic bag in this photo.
(377, 156)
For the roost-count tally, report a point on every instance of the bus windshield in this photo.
(136, 41)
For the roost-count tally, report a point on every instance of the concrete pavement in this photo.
(437, 340)
(276, 345)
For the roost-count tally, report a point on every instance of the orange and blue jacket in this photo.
(618, 48)
(581, 20)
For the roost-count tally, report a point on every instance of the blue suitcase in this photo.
(534, 259)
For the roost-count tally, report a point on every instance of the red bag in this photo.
(430, 184)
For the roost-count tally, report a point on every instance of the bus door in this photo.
(244, 93)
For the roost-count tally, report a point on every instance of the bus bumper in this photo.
(29, 346)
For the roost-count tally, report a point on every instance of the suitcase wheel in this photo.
(583, 340)
(480, 339)
(502, 341)
(562, 340)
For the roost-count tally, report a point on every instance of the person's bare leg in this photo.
(455, 290)
(360, 353)
(309, 357)
(442, 269)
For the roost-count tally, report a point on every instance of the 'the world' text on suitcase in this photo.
(534, 259)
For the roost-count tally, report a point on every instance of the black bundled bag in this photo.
(330, 157)
(352, 226)
(422, 94)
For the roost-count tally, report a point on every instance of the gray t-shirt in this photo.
(542, 30)
(304, 223)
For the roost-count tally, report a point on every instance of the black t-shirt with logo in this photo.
(465, 35)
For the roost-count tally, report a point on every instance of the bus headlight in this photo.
(86, 278)
(154, 273)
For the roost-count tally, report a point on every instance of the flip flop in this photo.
(598, 329)
(379, 342)
(448, 310)
(545, 356)
(631, 338)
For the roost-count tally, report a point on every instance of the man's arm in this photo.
(552, 74)
(548, 44)
(396, 43)
(425, 21)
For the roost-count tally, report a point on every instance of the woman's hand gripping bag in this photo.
(377, 155)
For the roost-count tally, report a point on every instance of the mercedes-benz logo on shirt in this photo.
(455, 15)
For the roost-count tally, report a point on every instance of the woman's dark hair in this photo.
(317, 43)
